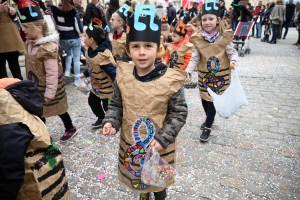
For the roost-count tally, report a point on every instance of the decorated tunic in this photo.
(213, 68)
(142, 121)
(177, 56)
(45, 176)
(101, 82)
(35, 71)
(118, 46)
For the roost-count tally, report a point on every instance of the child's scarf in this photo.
(209, 37)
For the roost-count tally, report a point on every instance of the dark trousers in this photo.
(274, 32)
(160, 195)
(13, 63)
(298, 42)
(65, 118)
(95, 104)
(210, 112)
(286, 26)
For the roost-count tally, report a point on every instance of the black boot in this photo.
(264, 39)
(267, 38)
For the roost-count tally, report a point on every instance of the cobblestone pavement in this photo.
(252, 155)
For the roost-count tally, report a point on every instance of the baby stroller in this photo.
(241, 37)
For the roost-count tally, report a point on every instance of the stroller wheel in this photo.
(249, 50)
(242, 54)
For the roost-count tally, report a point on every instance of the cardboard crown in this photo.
(164, 19)
(28, 11)
(123, 11)
(211, 7)
(180, 29)
(143, 26)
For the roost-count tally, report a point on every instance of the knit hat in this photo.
(28, 11)
(143, 26)
(211, 7)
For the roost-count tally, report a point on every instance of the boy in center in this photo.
(145, 96)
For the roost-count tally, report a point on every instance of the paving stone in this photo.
(232, 182)
(243, 144)
(271, 135)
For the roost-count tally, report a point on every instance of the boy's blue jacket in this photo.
(110, 68)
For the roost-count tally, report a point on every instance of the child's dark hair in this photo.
(102, 35)
(127, 46)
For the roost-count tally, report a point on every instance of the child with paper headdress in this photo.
(101, 69)
(145, 95)
(43, 65)
(30, 162)
(178, 54)
(214, 56)
(118, 39)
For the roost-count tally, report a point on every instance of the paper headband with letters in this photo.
(180, 29)
(123, 11)
(142, 25)
(93, 32)
(28, 11)
(164, 19)
(211, 7)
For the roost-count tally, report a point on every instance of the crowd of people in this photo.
(127, 48)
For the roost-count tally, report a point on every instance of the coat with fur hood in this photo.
(278, 14)
(44, 68)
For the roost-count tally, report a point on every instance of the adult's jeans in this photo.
(286, 25)
(233, 24)
(72, 47)
(274, 32)
(258, 28)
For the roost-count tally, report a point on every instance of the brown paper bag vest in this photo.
(101, 83)
(213, 68)
(35, 71)
(45, 177)
(177, 56)
(145, 104)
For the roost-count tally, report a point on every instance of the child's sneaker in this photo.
(69, 134)
(204, 137)
(145, 196)
(97, 124)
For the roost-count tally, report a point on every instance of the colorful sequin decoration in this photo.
(211, 78)
(140, 145)
(174, 58)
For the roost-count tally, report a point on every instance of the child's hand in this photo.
(82, 75)
(233, 64)
(47, 100)
(108, 129)
(154, 144)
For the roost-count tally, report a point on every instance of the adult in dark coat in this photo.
(289, 13)
(240, 13)
(94, 12)
(171, 12)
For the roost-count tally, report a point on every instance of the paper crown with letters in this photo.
(142, 25)
(211, 7)
(93, 32)
(28, 11)
(164, 19)
(123, 11)
(180, 29)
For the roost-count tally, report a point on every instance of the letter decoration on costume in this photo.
(33, 14)
(211, 7)
(164, 19)
(95, 83)
(31, 76)
(180, 29)
(173, 59)
(142, 25)
(22, 17)
(211, 78)
(140, 146)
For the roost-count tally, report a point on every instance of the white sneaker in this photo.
(67, 73)
(81, 63)
(82, 57)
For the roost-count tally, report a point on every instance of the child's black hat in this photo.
(29, 12)
(142, 25)
(123, 11)
(180, 29)
(94, 33)
(211, 7)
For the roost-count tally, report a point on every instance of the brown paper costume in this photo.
(35, 71)
(177, 56)
(44, 170)
(141, 121)
(118, 46)
(213, 68)
(167, 35)
(101, 83)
